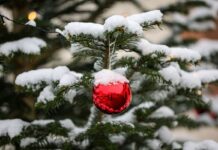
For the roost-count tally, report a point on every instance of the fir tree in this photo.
(117, 51)
(49, 15)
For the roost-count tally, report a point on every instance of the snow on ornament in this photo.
(111, 92)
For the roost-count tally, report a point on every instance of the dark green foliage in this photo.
(184, 6)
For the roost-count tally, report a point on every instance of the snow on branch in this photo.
(42, 122)
(205, 47)
(130, 115)
(116, 22)
(47, 94)
(26, 45)
(163, 112)
(69, 78)
(147, 48)
(180, 78)
(27, 141)
(170, 74)
(190, 20)
(51, 81)
(207, 76)
(107, 76)
(132, 24)
(202, 26)
(147, 18)
(188, 80)
(59, 74)
(160, 95)
(184, 54)
(165, 135)
(201, 12)
(12, 127)
(16, 127)
(74, 130)
(80, 28)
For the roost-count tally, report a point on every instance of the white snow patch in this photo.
(30, 45)
(176, 146)
(70, 79)
(56, 139)
(190, 22)
(79, 28)
(214, 105)
(162, 112)
(206, 118)
(179, 18)
(154, 144)
(205, 47)
(129, 116)
(121, 70)
(147, 18)
(76, 47)
(12, 127)
(136, 81)
(84, 143)
(171, 74)
(117, 138)
(201, 12)
(207, 76)
(213, 4)
(60, 74)
(31, 23)
(202, 26)
(162, 94)
(147, 48)
(114, 22)
(165, 135)
(203, 65)
(46, 95)
(27, 141)
(185, 54)
(67, 123)
(34, 77)
(74, 130)
(69, 96)
(109, 77)
(42, 122)
(123, 54)
(189, 80)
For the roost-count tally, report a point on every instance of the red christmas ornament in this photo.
(212, 114)
(113, 97)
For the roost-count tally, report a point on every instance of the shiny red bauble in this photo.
(113, 97)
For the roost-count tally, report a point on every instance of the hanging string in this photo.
(2, 17)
